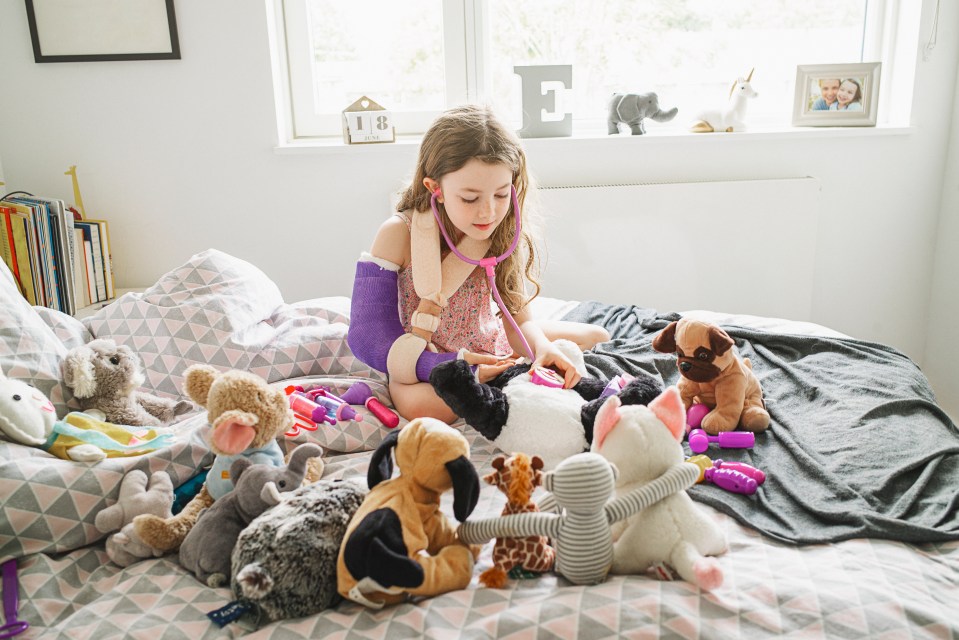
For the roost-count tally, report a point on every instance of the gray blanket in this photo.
(857, 446)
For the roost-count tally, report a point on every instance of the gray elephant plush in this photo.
(207, 548)
(632, 109)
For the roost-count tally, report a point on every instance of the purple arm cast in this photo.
(375, 321)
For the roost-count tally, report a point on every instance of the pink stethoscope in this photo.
(489, 263)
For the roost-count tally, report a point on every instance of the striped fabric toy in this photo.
(581, 532)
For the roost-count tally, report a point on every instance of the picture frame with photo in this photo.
(837, 95)
(100, 30)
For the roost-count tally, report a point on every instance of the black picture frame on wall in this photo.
(100, 30)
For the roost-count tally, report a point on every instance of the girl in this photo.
(849, 96)
(473, 170)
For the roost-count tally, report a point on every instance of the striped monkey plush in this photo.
(581, 532)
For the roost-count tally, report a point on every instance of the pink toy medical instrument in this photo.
(11, 602)
(699, 440)
(735, 477)
(546, 377)
(695, 415)
(360, 393)
(490, 263)
(616, 385)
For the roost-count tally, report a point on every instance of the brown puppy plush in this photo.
(399, 543)
(714, 375)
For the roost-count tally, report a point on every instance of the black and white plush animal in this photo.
(284, 562)
(517, 415)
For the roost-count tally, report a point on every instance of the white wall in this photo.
(179, 156)
(942, 348)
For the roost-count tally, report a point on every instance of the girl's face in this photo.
(477, 197)
(847, 91)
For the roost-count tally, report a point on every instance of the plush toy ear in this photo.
(665, 342)
(238, 467)
(381, 464)
(668, 407)
(197, 380)
(537, 463)
(498, 463)
(466, 488)
(78, 372)
(606, 419)
(719, 341)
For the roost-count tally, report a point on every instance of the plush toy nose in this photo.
(685, 366)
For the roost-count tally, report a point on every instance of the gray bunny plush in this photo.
(207, 547)
(632, 109)
(105, 377)
(284, 562)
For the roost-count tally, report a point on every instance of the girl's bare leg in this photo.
(420, 400)
(586, 336)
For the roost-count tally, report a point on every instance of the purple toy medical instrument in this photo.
(489, 263)
(11, 602)
(699, 440)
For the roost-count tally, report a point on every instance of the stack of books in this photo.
(58, 258)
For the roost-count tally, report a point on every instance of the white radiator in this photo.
(745, 246)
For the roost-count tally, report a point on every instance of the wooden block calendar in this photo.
(365, 121)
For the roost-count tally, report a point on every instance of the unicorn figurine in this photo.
(733, 116)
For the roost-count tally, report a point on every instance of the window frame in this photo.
(468, 78)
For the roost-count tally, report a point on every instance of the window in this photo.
(420, 56)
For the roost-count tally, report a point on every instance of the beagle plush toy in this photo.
(713, 374)
(399, 543)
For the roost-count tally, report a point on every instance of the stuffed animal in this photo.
(517, 477)
(644, 443)
(137, 496)
(732, 117)
(399, 543)
(631, 109)
(516, 414)
(105, 376)
(207, 549)
(246, 415)
(581, 531)
(284, 562)
(28, 417)
(714, 375)
(26, 414)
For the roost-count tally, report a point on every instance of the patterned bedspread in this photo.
(861, 587)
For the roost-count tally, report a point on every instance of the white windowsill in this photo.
(335, 145)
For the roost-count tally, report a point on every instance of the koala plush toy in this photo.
(105, 377)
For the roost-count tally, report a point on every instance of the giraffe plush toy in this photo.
(517, 477)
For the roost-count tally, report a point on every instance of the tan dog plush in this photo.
(399, 543)
(714, 375)
(246, 416)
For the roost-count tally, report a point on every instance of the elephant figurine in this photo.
(632, 108)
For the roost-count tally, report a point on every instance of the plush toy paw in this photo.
(86, 453)
(709, 575)
(493, 578)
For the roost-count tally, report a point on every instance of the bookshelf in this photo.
(59, 257)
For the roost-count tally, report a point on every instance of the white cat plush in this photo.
(644, 443)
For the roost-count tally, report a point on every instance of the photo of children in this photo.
(835, 94)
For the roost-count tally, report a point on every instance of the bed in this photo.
(855, 533)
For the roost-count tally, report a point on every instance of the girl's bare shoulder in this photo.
(392, 241)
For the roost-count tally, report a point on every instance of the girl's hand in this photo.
(553, 358)
(487, 366)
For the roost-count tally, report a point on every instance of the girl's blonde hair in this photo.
(456, 137)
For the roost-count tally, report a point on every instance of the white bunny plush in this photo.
(644, 444)
(26, 415)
